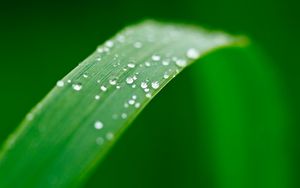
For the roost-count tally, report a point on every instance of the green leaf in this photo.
(66, 135)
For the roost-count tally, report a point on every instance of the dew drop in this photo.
(60, 83)
(147, 64)
(77, 87)
(109, 136)
(148, 95)
(69, 81)
(134, 97)
(165, 63)
(131, 65)
(112, 82)
(192, 53)
(146, 90)
(155, 85)
(131, 102)
(155, 57)
(98, 125)
(181, 63)
(137, 105)
(123, 115)
(109, 43)
(97, 97)
(144, 85)
(129, 80)
(118, 87)
(166, 76)
(85, 75)
(103, 88)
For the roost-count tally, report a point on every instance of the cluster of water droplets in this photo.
(141, 75)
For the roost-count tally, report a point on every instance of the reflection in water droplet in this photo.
(60, 83)
(192, 53)
(77, 87)
(98, 125)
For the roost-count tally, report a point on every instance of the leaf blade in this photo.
(76, 122)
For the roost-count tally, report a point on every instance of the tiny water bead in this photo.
(155, 85)
(137, 105)
(129, 80)
(85, 75)
(77, 87)
(148, 95)
(144, 85)
(113, 82)
(60, 83)
(103, 88)
(166, 76)
(131, 102)
(123, 115)
(155, 57)
(110, 136)
(147, 64)
(192, 53)
(165, 63)
(98, 125)
(131, 65)
(97, 97)
(109, 43)
(181, 62)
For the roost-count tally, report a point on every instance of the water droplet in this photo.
(146, 90)
(123, 115)
(137, 44)
(97, 97)
(147, 64)
(103, 88)
(131, 65)
(165, 63)
(192, 53)
(118, 87)
(98, 125)
(129, 80)
(134, 97)
(60, 83)
(77, 87)
(155, 85)
(113, 82)
(144, 85)
(133, 86)
(137, 105)
(98, 59)
(155, 57)
(166, 76)
(85, 75)
(131, 102)
(126, 105)
(181, 63)
(109, 136)
(99, 140)
(69, 81)
(109, 43)
(148, 95)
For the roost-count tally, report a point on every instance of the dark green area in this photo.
(220, 105)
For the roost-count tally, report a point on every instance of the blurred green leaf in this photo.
(64, 137)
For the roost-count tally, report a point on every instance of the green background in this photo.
(230, 120)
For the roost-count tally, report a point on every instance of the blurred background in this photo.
(229, 121)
